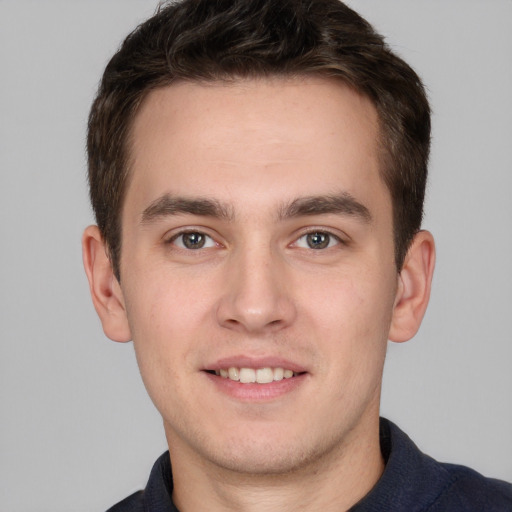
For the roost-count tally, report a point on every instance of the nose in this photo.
(255, 299)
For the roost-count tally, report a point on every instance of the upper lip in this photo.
(255, 362)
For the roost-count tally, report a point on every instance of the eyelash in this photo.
(331, 238)
(181, 234)
(318, 231)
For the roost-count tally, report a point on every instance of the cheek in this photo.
(352, 317)
(352, 303)
(158, 313)
(161, 323)
(165, 300)
(170, 315)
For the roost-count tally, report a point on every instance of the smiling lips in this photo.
(256, 380)
(251, 375)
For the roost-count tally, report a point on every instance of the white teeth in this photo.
(250, 375)
(247, 375)
(264, 375)
(234, 374)
(278, 374)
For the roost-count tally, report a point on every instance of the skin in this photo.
(256, 289)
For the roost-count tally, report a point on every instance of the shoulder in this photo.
(133, 503)
(469, 491)
(413, 481)
(156, 497)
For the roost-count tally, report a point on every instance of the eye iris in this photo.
(318, 240)
(193, 240)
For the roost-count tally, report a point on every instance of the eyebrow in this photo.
(167, 205)
(343, 203)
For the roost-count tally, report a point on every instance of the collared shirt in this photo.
(411, 482)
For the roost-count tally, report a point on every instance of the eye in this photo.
(317, 240)
(192, 240)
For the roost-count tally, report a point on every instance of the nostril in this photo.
(250, 310)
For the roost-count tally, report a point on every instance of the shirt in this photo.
(411, 482)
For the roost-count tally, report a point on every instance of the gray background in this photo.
(77, 430)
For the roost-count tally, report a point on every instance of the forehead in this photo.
(253, 139)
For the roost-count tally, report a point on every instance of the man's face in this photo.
(257, 233)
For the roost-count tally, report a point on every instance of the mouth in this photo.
(264, 375)
(256, 379)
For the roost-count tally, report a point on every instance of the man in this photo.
(257, 171)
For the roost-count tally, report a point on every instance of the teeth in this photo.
(278, 374)
(247, 375)
(264, 375)
(234, 374)
(250, 375)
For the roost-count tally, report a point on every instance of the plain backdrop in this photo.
(78, 432)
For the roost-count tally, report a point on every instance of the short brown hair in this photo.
(211, 40)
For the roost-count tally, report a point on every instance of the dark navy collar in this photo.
(411, 482)
(409, 476)
(159, 489)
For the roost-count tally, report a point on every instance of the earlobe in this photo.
(413, 291)
(106, 292)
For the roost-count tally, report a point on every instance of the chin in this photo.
(262, 460)
(268, 453)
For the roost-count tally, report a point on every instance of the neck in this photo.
(334, 482)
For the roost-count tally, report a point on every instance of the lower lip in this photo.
(255, 392)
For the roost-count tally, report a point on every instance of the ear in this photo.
(414, 284)
(106, 292)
